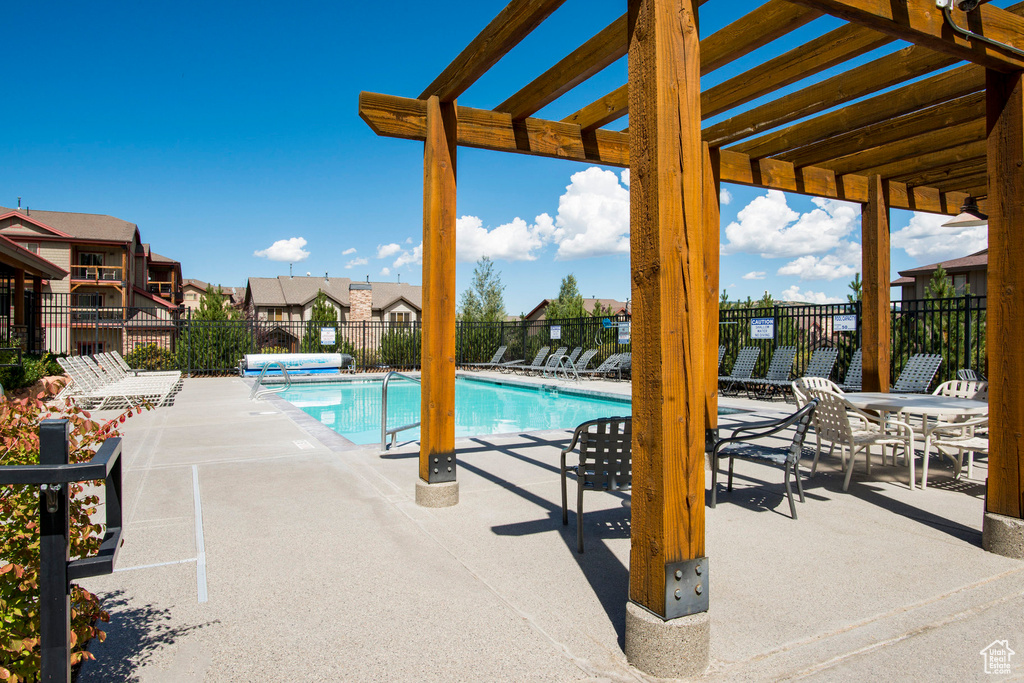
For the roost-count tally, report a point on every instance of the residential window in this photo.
(191, 296)
(88, 262)
(275, 314)
(33, 247)
(400, 318)
(89, 348)
(90, 300)
(960, 283)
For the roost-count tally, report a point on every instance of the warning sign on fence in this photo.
(762, 328)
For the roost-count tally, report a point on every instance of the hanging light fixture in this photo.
(970, 216)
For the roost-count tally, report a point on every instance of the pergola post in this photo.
(667, 624)
(712, 228)
(437, 486)
(1003, 528)
(876, 334)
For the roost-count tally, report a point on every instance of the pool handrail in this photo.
(384, 431)
(257, 393)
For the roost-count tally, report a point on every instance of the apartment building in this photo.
(113, 287)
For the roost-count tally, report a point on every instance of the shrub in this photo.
(151, 357)
(32, 369)
(274, 349)
(19, 537)
(400, 348)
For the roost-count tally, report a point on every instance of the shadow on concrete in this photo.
(135, 633)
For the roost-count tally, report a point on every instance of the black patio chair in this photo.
(605, 464)
(788, 458)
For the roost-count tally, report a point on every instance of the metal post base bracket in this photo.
(442, 468)
(686, 588)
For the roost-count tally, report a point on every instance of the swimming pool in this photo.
(352, 408)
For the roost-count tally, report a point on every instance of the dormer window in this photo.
(33, 247)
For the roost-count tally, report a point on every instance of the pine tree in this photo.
(857, 287)
(569, 303)
(940, 286)
(322, 315)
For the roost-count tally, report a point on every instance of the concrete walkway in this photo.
(260, 548)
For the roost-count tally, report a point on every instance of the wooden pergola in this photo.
(937, 118)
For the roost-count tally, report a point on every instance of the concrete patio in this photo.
(316, 564)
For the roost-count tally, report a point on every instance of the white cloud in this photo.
(794, 294)
(724, 197)
(593, 216)
(769, 227)
(385, 271)
(387, 250)
(357, 262)
(625, 177)
(844, 262)
(407, 257)
(289, 251)
(755, 275)
(347, 252)
(926, 241)
(515, 241)
(408, 240)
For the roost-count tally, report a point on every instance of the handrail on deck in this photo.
(384, 431)
(257, 393)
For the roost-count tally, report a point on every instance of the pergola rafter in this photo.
(896, 132)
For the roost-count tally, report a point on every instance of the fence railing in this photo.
(954, 328)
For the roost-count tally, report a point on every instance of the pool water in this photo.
(352, 408)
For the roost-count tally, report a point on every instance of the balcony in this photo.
(98, 274)
(165, 289)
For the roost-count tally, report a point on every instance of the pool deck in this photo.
(257, 551)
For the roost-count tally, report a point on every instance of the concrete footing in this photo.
(437, 495)
(1003, 535)
(677, 648)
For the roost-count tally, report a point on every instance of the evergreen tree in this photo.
(322, 315)
(217, 336)
(600, 311)
(483, 301)
(857, 287)
(940, 286)
(569, 303)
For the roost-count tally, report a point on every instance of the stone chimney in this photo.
(360, 301)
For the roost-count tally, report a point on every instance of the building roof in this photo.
(297, 291)
(588, 305)
(18, 256)
(84, 226)
(976, 261)
(157, 258)
(198, 284)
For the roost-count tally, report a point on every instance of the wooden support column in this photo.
(37, 290)
(1005, 114)
(437, 403)
(712, 236)
(19, 297)
(667, 254)
(876, 334)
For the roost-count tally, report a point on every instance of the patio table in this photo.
(922, 405)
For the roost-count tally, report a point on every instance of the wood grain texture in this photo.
(760, 26)
(920, 162)
(941, 116)
(505, 31)
(602, 111)
(875, 323)
(902, 65)
(900, 102)
(437, 392)
(712, 239)
(591, 57)
(814, 56)
(1005, 119)
(404, 117)
(667, 266)
(919, 22)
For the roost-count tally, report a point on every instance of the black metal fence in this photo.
(954, 328)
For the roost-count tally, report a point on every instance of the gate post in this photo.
(54, 553)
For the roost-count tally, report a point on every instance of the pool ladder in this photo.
(384, 431)
(257, 393)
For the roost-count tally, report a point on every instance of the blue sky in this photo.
(223, 128)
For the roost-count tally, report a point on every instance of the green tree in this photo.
(484, 301)
(601, 311)
(940, 286)
(569, 303)
(857, 287)
(322, 315)
(216, 337)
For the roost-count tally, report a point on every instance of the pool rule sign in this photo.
(328, 336)
(762, 328)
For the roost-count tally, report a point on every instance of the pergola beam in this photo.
(924, 162)
(950, 113)
(505, 31)
(588, 59)
(403, 117)
(755, 29)
(909, 148)
(908, 99)
(920, 22)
